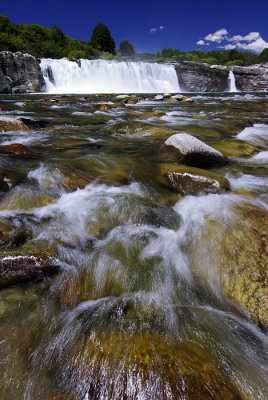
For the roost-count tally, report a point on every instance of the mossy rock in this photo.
(152, 114)
(139, 128)
(147, 366)
(235, 256)
(12, 124)
(235, 148)
(189, 180)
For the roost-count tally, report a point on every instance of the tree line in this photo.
(53, 43)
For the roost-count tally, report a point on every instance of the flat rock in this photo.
(191, 151)
(17, 149)
(189, 180)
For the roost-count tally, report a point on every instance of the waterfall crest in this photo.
(231, 82)
(101, 76)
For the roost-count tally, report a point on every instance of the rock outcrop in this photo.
(202, 77)
(20, 73)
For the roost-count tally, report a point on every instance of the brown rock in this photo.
(12, 124)
(155, 367)
(105, 107)
(20, 265)
(18, 149)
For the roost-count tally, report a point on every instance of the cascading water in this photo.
(100, 76)
(231, 82)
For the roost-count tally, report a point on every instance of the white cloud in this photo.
(257, 46)
(248, 38)
(154, 30)
(217, 36)
(252, 41)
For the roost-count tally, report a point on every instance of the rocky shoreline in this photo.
(21, 73)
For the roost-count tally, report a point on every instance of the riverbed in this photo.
(143, 303)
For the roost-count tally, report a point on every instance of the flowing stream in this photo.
(138, 309)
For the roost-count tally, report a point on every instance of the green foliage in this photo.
(107, 56)
(76, 54)
(101, 39)
(263, 56)
(235, 62)
(126, 49)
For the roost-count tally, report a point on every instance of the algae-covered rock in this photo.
(139, 128)
(149, 367)
(236, 254)
(17, 149)
(12, 124)
(234, 148)
(191, 151)
(189, 180)
(20, 265)
(152, 114)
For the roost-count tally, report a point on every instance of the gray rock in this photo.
(202, 77)
(19, 73)
(191, 151)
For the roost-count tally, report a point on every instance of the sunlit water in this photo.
(138, 300)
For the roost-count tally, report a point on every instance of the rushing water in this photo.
(100, 76)
(137, 311)
(231, 82)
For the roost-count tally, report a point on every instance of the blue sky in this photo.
(151, 25)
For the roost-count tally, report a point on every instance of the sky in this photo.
(151, 25)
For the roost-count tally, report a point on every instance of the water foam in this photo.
(101, 76)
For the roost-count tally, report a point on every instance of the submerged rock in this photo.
(34, 123)
(3, 186)
(189, 180)
(160, 367)
(12, 124)
(17, 149)
(152, 114)
(105, 107)
(235, 256)
(20, 265)
(139, 128)
(191, 151)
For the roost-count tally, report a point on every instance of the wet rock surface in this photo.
(17, 149)
(20, 266)
(12, 124)
(189, 180)
(191, 151)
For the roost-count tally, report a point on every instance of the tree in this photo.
(101, 39)
(264, 55)
(126, 49)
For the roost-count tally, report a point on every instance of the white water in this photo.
(231, 82)
(100, 76)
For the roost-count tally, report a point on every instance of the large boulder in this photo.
(149, 366)
(19, 73)
(189, 180)
(191, 151)
(234, 255)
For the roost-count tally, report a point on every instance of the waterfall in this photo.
(101, 76)
(231, 82)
